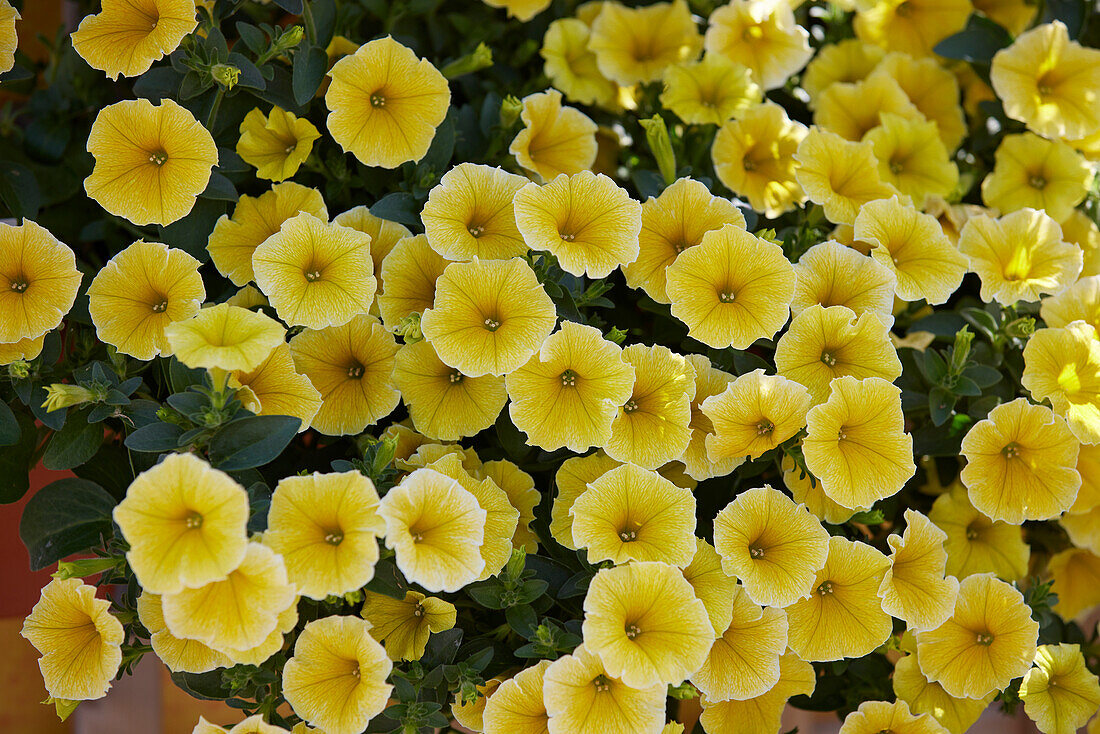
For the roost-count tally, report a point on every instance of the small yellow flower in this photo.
(976, 544)
(849, 60)
(1060, 694)
(252, 725)
(912, 157)
(520, 489)
(571, 66)
(840, 175)
(712, 586)
(276, 145)
(38, 281)
(409, 275)
(708, 382)
(522, 10)
(471, 714)
(989, 640)
(384, 234)
(913, 245)
(572, 479)
(469, 214)
(1063, 366)
(569, 393)
(823, 344)
(806, 489)
(1076, 574)
(404, 625)
(1020, 463)
(645, 624)
(873, 717)
(756, 413)
(185, 523)
(832, 274)
(1079, 302)
(634, 45)
(352, 367)
(517, 705)
(582, 697)
(489, 316)
(772, 545)
(763, 36)
(24, 349)
(79, 639)
(385, 104)
(671, 223)
(1048, 81)
(731, 290)
(913, 27)
(851, 110)
(555, 139)
(151, 161)
(140, 291)
(585, 220)
(435, 528)
(276, 388)
(710, 91)
(1083, 529)
(955, 714)
(224, 337)
(9, 41)
(336, 679)
(915, 588)
(1036, 173)
(126, 37)
(933, 90)
(760, 715)
(754, 157)
(178, 654)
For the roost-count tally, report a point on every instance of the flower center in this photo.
(1011, 451)
(455, 377)
(825, 588)
(569, 378)
(602, 684)
(193, 521)
(313, 275)
(828, 359)
(680, 247)
(904, 10)
(490, 324)
(158, 157)
(628, 535)
(896, 168)
(632, 631)
(984, 638)
(417, 536)
(355, 671)
(764, 427)
(475, 230)
(290, 148)
(1037, 181)
(567, 237)
(20, 285)
(749, 165)
(842, 433)
(756, 551)
(334, 537)
(727, 296)
(972, 533)
(161, 306)
(418, 610)
(752, 33)
(355, 371)
(631, 406)
(377, 100)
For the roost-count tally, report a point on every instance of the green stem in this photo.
(307, 18)
(210, 118)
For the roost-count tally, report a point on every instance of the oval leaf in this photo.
(252, 441)
(63, 518)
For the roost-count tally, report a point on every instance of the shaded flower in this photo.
(572, 479)
(763, 36)
(806, 489)
(635, 45)
(913, 27)
(914, 588)
(517, 704)
(38, 281)
(710, 91)
(404, 625)
(762, 714)
(712, 585)
(708, 382)
(583, 698)
(1078, 302)
(1059, 693)
(1063, 366)
(754, 157)
(384, 234)
(756, 413)
(224, 337)
(852, 110)
(471, 714)
(409, 276)
(839, 174)
(522, 10)
(520, 489)
(469, 214)
(1031, 172)
(932, 89)
(190, 656)
(1076, 574)
(9, 41)
(274, 387)
(848, 60)
(276, 144)
(912, 157)
(873, 717)
(832, 274)
(555, 139)
(571, 66)
(125, 38)
(976, 544)
(955, 714)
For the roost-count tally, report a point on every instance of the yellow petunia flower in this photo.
(583, 698)
(224, 337)
(636, 45)
(1088, 466)
(151, 161)
(847, 61)
(1048, 81)
(471, 714)
(932, 89)
(915, 588)
(1083, 529)
(140, 291)
(352, 367)
(572, 479)
(851, 110)
(1014, 15)
(522, 10)
(913, 245)
(989, 640)
(843, 616)
(517, 705)
(1020, 463)
(489, 316)
(646, 625)
(336, 679)
(325, 526)
(1079, 302)
(763, 714)
(710, 91)
(442, 402)
(429, 453)
(1076, 574)
(190, 656)
(671, 223)
(276, 145)
(743, 663)
(756, 413)
(79, 639)
(436, 529)
(185, 523)
(571, 66)
(712, 586)
(276, 388)
(856, 443)
(840, 175)
(772, 545)
(754, 157)
(653, 427)
(761, 35)
(555, 139)
(273, 643)
(731, 290)
(24, 349)
(126, 37)
(708, 382)
(1036, 173)
(9, 41)
(385, 104)
(832, 274)
(237, 612)
(976, 544)
(404, 625)
(1063, 366)
(955, 714)
(252, 725)
(633, 514)
(384, 234)
(806, 489)
(469, 214)
(910, 26)
(1060, 694)
(912, 157)
(585, 220)
(569, 393)
(38, 281)
(873, 717)
(409, 276)
(519, 486)
(823, 344)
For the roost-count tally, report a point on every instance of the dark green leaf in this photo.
(15, 460)
(1070, 12)
(398, 207)
(310, 65)
(76, 442)
(252, 36)
(65, 517)
(489, 596)
(294, 7)
(940, 404)
(53, 419)
(250, 77)
(941, 323)
(252, 441)
(9, 426)
(191, 233)
(18, 190)
(206, 686)
(977, 42)
(47, 138)
(158, 83)
(220, 188)
(522, 619)
(155, 438)
(387, 580)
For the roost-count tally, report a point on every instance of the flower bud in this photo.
(60, 396)
(656, 134)
(481, 58)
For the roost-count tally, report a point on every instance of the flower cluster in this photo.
(611, 372)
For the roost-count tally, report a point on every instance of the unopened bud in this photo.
(60, 396)
(409, 328)
(481, 58)
(290, 38)
(509, 111)
(225, 75)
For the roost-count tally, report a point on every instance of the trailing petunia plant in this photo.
(544, 367)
